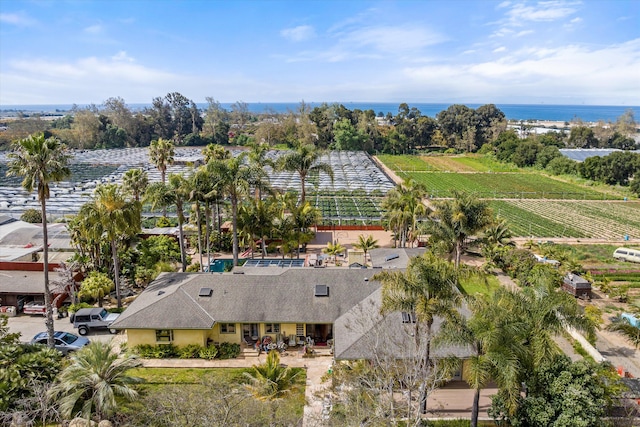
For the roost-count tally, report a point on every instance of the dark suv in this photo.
(86, 319)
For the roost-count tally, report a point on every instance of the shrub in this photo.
(76, 307)
(228, 350)
(163, 221)
(32, 216)
(209, 352)
(191, 351)
(193, 268)
(156, 351)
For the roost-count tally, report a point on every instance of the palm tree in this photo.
(365, 245)
(498, 234)
(118, 217)
(623, 327)
(454, 221)
(492, 333)
(200, 186)
(176, 193)
(161, 154)
(333, 250)
(428, 289)
(135, 181)
(258, 157)
(305, 161)
(234, 178)
(302, 217)
(40, 161)
(403, 208)
(271, 380)
(92, 382)
(256, 218)
(215, 152)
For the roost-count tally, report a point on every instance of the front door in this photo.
(250, 332)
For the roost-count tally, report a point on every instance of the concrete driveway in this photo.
(29, 325)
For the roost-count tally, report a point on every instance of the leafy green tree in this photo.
(582, 137)
(366, 244)
(32, 216)
(256, 218)
(94, 381)
(347, 137)
(526, 153)
(426, 289)
(333, 250)
(96, 286)
(40, 161)
(135, 182)
(215, 152)
(117, 217)
(305, 161)
(564, 394)
(455, 221)
(562, 166)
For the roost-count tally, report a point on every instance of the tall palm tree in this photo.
(161, 154)
(333, 250)
(118, 217)
(428, 288)
(92, 382)
(40, 161)
(175, 193)
(215, 152)
(258, 157)
(302, 218)
(305, 161)
(135, 181)
(256, 218)
(271, 380)
(200, 186)
(234, 178)
(455, 221)
(366, 244)
(492, 333)
(403, 208)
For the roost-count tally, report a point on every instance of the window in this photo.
(164, 335)
(227, 328)
(272, 328)
(408, 317)
(300, 329)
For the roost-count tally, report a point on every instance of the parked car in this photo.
(65, 342)
(86, 319)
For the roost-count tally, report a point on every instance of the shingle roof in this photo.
(23, 282)
(172, 301)
(393, 257)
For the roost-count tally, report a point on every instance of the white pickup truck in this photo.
(35, 307)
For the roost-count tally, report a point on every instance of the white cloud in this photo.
(94, 29)
(543, 11)
(299, 33)
(99, 78)
(499, 49)
(576, 20)
(504, 4)
(524, 33)
(607, 75)
(19, 19)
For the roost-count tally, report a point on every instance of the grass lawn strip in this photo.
(404, 163)
(474, 285)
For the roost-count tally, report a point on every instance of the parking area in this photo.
(29, 325)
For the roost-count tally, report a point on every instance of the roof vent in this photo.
(391, 257)
(408, 317)
(205, 292)
(238, 272)
(366, 279)
(160, 292)
(322, 291)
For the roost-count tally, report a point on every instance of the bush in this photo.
(209, 352)
(193, 268)
(191, 351)
(156, 351)
(163, 221)
(76, 307)
(32, 216)
(228, 350)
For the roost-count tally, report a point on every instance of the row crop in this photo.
(524, 223)
(503, 186)
(604, 220)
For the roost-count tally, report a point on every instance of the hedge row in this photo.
(192, 351)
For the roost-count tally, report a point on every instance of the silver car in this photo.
(65, 342)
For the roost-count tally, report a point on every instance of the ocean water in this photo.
(587, 113)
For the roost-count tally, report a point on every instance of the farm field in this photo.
(584, 219)
(504, 186)
(466, 163)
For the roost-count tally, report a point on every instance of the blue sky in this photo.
(553, 52)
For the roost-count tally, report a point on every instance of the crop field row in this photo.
(587, 219)
(503, 186)
(523, 223)
(466, 163)
(365, 208)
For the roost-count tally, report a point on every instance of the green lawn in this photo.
(160, 376)
(475, 285)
